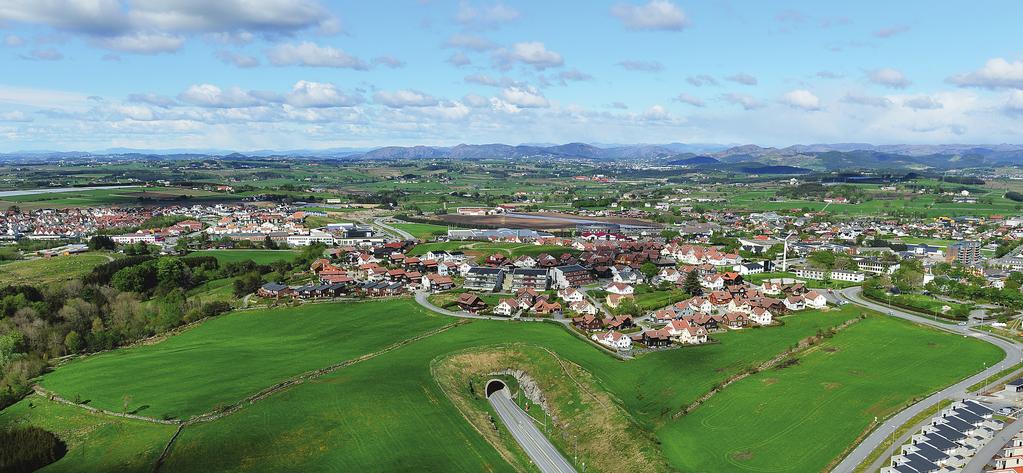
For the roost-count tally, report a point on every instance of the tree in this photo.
(269, 244)
(72, 342)
(172, 273)
(648, 269)
(247, 284)
(692, 285)
(101, 242)
(909, 276)
(822, 259)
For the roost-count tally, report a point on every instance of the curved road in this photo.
(1013, 356)
(401, 233)
(546, 458)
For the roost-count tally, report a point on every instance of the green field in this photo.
(230, 357)
(46, 271)
(95, 442)
(388, 413)
(114, 196)
(802, 417)
(257, 256)
(422, 231)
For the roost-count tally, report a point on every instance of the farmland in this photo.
(46, 271)
(484, 249)
(314, 427)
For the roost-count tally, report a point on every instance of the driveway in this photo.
(1013, 356)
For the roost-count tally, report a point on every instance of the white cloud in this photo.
(656, 113)
(155, 26)
(573, 75)
(313, 55)
(236, 59)
(888, 77)
(475, 101)
(152, 99)
(921, 102)
(747, 102)
(654, 15)
(742, 78)
(533, 53)
(526, 97)
(141, 43)
(459, 59)
(208, 95)
(469, 42)
(15, 116)
(801, 99)
(868, 100)
(828, 75)
(1014, 104)
(404, 98)
(388, 61)
(13, 40)
(691, 100)
(701, 80)
(44, 54)
(307, 94)
(486, 16)
(890, 31)
(641, 65)
(997, 73)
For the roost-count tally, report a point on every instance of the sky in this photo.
(311, 74)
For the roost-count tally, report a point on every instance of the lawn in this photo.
(231, 357)
(765, 422)
(257, 256)
(48, 271)
(389, 414)
(95, 442)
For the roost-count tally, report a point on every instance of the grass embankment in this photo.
(590, 426)
(422, 231)
(48, 271)
(920, 303)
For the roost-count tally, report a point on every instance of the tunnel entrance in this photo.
(494, 386)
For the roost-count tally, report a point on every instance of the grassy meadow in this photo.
(389, 413)
(47, 271)
(257, 256)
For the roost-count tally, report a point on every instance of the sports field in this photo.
(388, 413)
(257, 256)
(46, 271)
(422, 231)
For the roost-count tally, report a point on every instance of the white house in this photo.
(794, 303)
(619, 288)
(626, 275)
(570, 295)
(761, 316)
(613, 339)
(669, 274)
(583, 307)
(713, 282)
(684, 332)
(506, 307)
(814, 300)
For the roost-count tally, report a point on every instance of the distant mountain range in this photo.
(745, 158)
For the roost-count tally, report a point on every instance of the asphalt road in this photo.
(400, 233)
(546, 458)
(1013, 356)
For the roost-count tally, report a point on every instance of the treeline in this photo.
(27, 449)
(1014, 196)
(115, 304)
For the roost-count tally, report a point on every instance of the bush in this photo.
(28, 449)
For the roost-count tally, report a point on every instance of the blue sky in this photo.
(291, 74)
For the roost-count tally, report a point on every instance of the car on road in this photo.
(962, 324)
(1005, 411)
